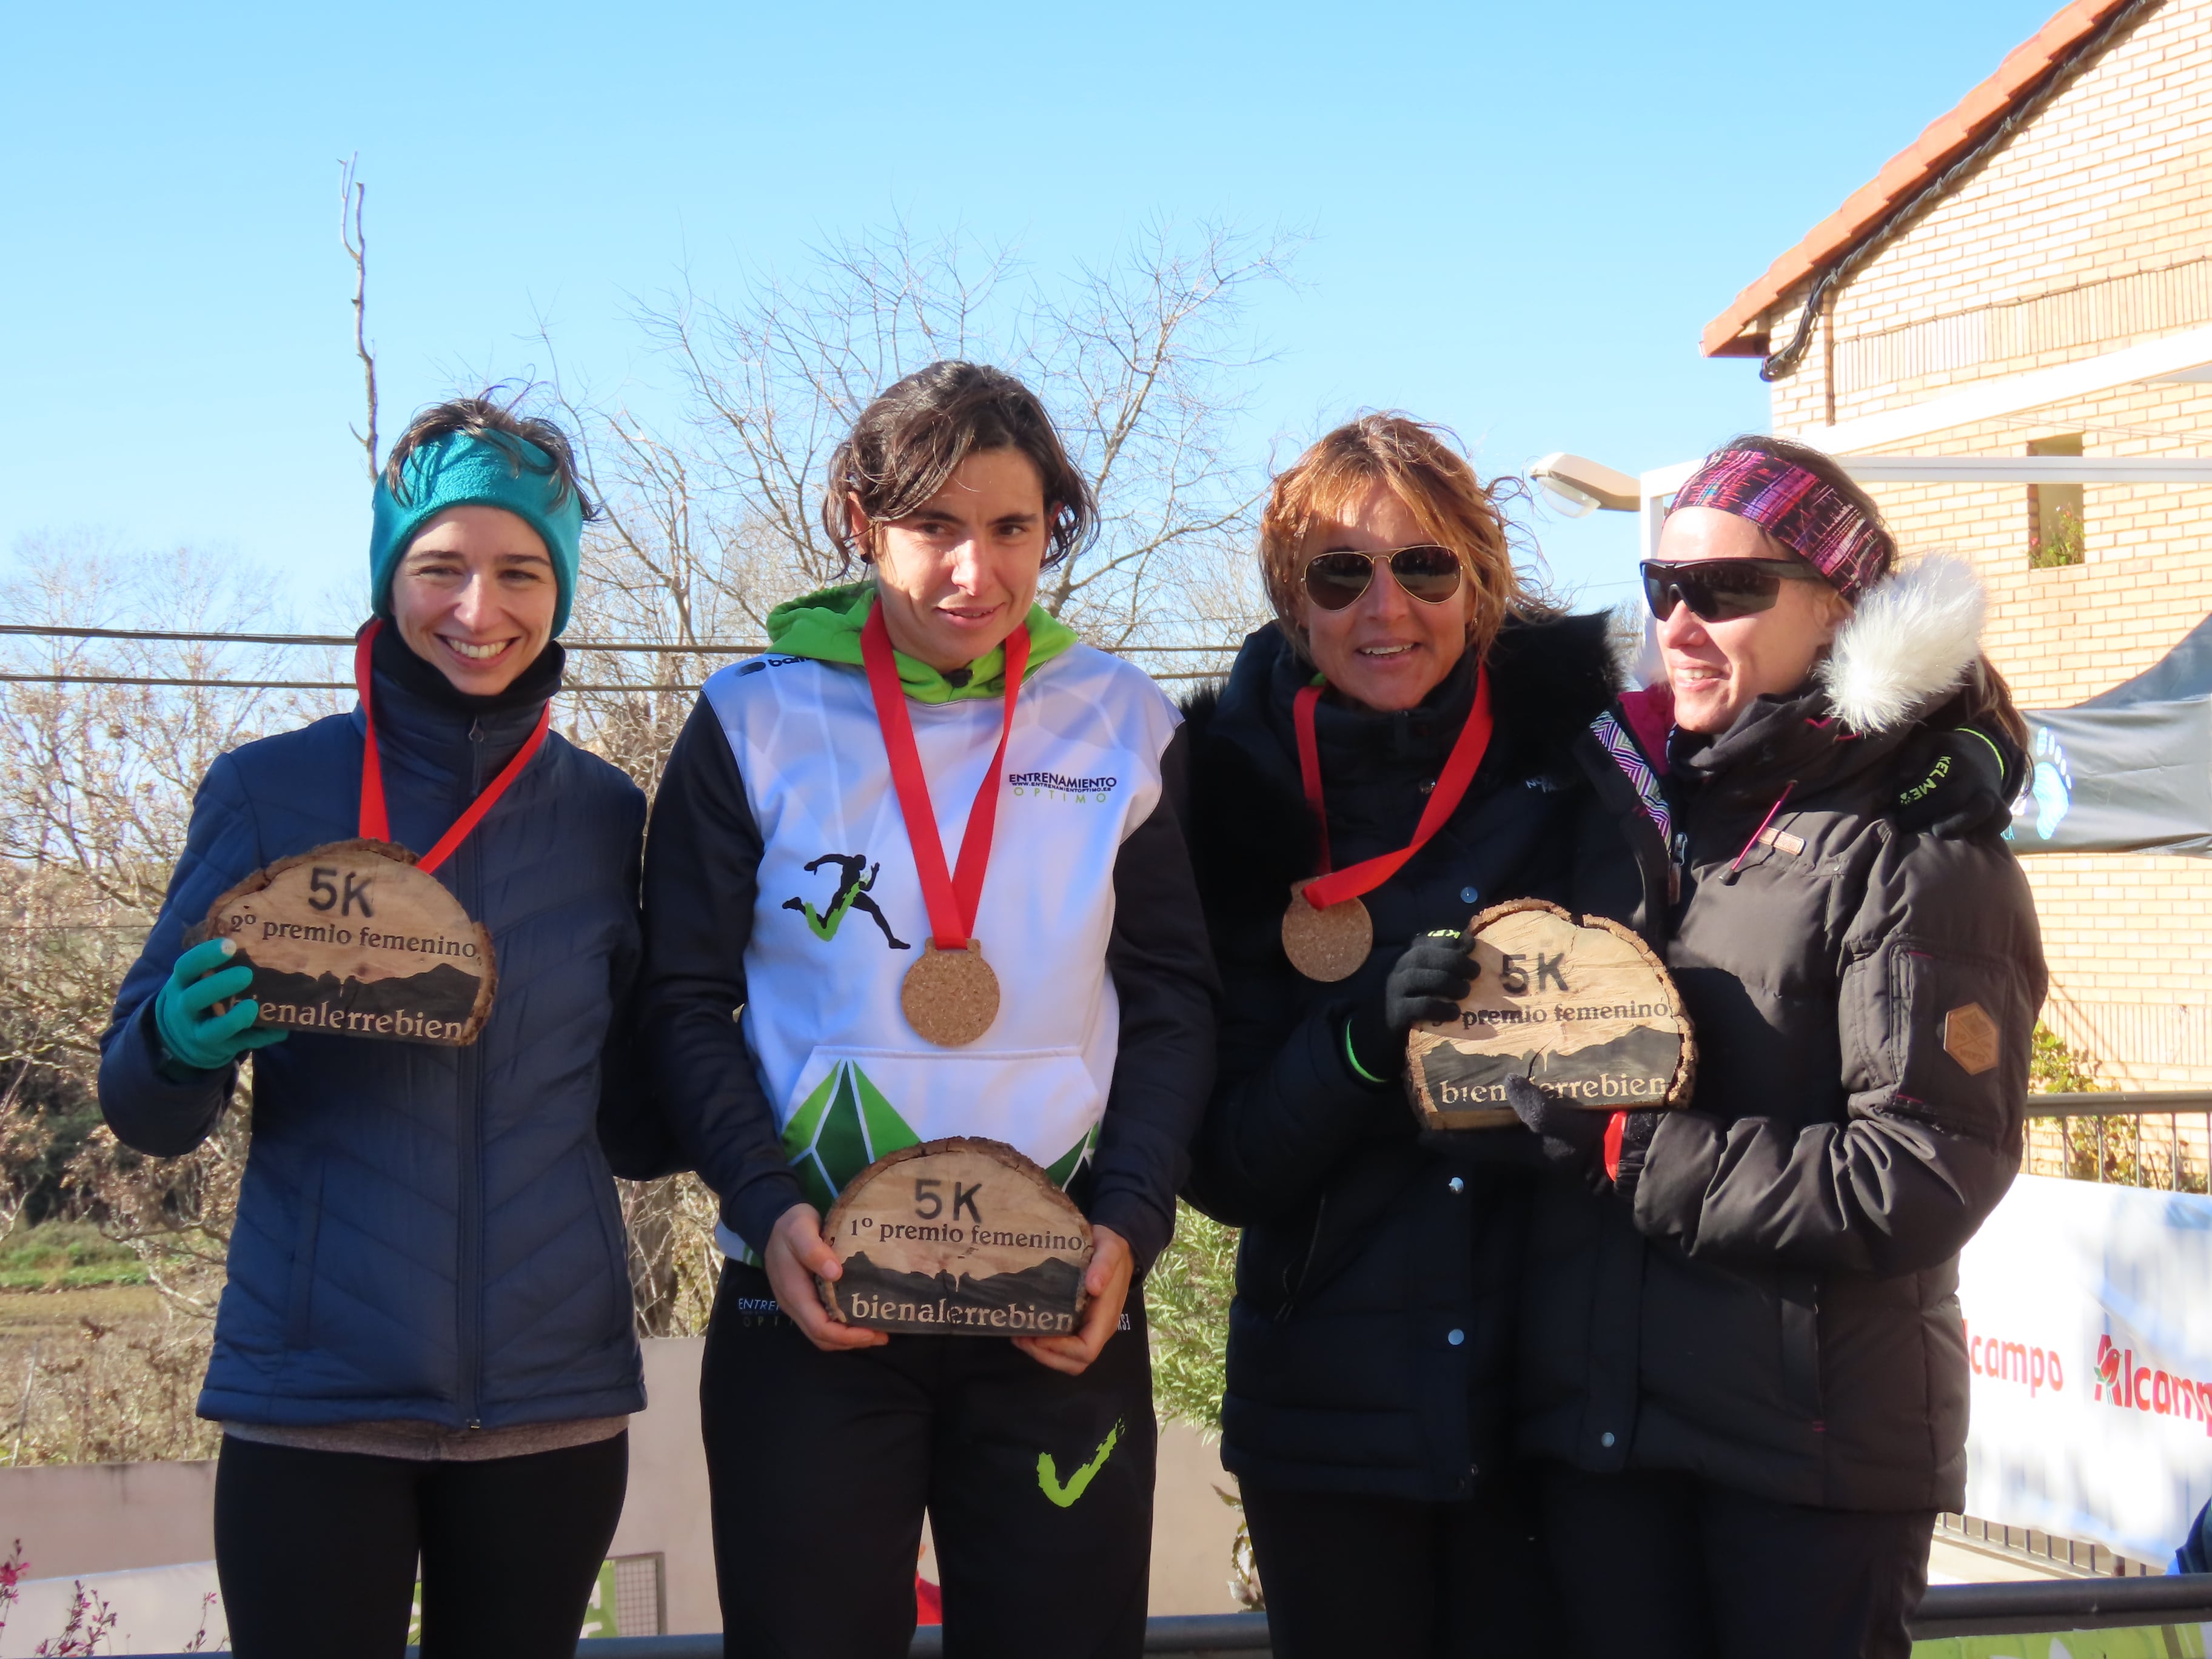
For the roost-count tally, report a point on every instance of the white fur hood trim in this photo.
(1912, 638)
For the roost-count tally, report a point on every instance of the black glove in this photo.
(1426, 983)
(1959, 783)
(1572, 1136)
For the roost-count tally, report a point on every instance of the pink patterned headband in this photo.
(1811, 517)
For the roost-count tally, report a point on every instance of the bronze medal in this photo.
(1326, 932)
(950, 997)
(1328, 944)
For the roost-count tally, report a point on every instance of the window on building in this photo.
(2054, 510)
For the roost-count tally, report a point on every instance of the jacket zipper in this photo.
(469, 1299)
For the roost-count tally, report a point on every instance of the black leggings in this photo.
(1039, 1489)
(1667, 1566)
(316, 1550)
(1345, 1574)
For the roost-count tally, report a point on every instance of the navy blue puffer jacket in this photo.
(422, 1233)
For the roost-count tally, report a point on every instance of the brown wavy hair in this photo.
(909, 440)
(1420, 465)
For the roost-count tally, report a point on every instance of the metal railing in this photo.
(2056, 1606)
(2127, 1159)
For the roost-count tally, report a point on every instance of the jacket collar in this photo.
(436, 741)
(1894, 667)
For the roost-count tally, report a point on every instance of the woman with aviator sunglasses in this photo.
(1415, 729)
(1741, 1348)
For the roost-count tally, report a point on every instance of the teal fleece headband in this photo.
(458, 470)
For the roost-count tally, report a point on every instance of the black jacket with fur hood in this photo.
(1371, 1341)
(1778, 1312)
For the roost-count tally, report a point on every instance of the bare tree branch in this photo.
(352, 196)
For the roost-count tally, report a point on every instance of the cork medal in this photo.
(950, 997)
(1328, 944)
(1328, 933)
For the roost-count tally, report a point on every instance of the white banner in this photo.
(2090, 1331)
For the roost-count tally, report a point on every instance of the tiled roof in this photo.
(1943, 141)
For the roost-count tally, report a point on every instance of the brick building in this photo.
(2051, 235)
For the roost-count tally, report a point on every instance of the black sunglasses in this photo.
(1718, 589)
(1428, 573)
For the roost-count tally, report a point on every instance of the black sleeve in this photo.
(1164, 978)
(702, 868)
(634, 1131)
(1939, 999)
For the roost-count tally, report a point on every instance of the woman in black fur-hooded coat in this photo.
(1370, 1343)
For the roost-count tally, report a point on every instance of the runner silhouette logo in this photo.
(851, 894)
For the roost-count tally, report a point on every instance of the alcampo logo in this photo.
(2163, 1393)
(2032, 1368)
(851, 894)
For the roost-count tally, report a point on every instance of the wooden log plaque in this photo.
(1583, 1009)
(957, 1237)
(350, 939)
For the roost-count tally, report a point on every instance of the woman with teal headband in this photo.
(425, 1351)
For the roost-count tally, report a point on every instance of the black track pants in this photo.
(1038, 1486)
(1347, 1575)
(316, 1550)
(1668, 1566)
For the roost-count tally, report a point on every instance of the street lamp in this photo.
(1578, 486)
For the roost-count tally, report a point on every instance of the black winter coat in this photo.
(1780, 1315)
(1369, 1341)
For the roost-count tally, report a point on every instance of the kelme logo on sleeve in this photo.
(851, 894)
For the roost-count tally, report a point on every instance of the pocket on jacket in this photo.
(299, 1305)
(1955, 1037)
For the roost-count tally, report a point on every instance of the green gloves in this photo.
(194, 1037)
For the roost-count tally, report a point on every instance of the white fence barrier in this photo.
(2090, 1331)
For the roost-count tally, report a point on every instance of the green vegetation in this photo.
(66, 1255)
(1187, 1301)
(2054, 1069)
(2061, 545)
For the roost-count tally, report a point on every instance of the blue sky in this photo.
(1521, 217)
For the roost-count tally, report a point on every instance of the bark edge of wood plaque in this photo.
(1027, 1289)
(1442, 1063)
(456, 1009)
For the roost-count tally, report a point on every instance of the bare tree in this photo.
(352, 196)
(97, 776)
(712, 520)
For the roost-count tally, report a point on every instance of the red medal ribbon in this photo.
(953, 899)
(375, 826)
(1459, 771)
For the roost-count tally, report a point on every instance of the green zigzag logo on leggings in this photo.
(1080, 1482)
(839, 1130)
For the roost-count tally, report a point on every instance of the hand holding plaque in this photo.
(1583, 1009)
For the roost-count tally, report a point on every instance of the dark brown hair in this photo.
(1419, 465)
(916, 432)
(1984, 698)
(485, 418)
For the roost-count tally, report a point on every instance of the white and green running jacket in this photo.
(783, 911)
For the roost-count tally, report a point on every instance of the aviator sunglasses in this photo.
(1718, 590)
(1428, 573)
